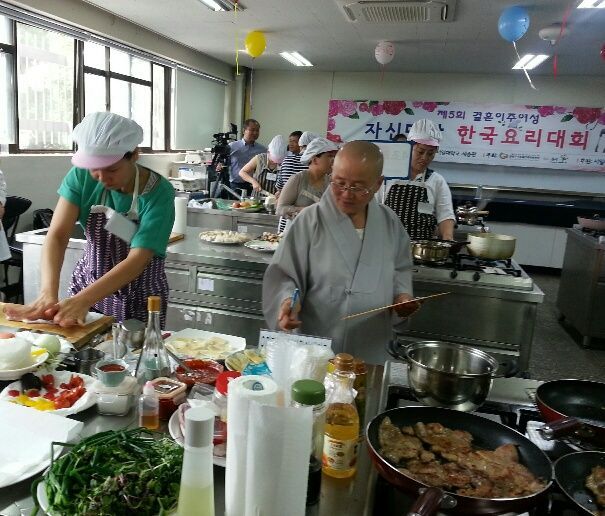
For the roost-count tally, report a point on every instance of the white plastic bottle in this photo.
(149, 408)
(196, 495)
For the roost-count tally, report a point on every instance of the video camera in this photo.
(220, 147)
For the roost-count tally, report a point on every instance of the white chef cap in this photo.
(278, 149)
(317, 146)
(426, 132)
(103, 138)
(306, 137)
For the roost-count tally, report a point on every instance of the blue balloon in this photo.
(513, 23)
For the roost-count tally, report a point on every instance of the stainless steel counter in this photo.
(353, 497)
(232, 220)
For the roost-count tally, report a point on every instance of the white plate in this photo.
(42, 498)
(175, 432)
(57, 450)
(234, 343)
(15, 374)
(86, 401)
(262, 245)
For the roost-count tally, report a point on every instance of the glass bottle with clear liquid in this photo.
(153, 361)
(341, 439)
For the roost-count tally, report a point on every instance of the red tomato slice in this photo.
(14, 393)
(48, 380)
(33, 393)
(49, 396)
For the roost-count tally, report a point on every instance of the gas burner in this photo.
(593, 232)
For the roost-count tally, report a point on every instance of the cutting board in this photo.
(77, 335)
(175, 236)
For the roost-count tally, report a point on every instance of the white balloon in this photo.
(384, 52)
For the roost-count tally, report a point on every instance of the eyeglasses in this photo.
(354, 190)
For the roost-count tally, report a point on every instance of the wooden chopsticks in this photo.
(396, 304)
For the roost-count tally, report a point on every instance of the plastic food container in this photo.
(171, 394)
(116, 401)
(204, 371)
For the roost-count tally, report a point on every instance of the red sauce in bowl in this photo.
(203, 371)
(112, 368)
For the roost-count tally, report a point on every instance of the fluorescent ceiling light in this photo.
(211, 4)
(530, 61)
(295, 58)
(592, 4)
(223, 5)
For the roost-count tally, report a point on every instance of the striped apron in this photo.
(102, 252)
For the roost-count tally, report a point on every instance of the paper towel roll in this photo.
(180, 215)
(242, 391)
(277, 462)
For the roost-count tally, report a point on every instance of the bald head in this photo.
(366, 154)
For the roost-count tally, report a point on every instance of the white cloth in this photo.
(278, 148)
(317, 146)
(103, 137)
(424, 131)
(438, 192)
(338, 274)
(306, 138)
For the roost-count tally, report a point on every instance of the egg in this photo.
(6, 335)
(49, 342)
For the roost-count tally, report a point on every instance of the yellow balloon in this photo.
(255, 43)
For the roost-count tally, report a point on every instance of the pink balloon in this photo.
(384, 52)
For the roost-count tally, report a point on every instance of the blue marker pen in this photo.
(295, 298)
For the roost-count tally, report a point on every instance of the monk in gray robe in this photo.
(346, 254)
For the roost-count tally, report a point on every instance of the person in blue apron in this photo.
(261, 170)
(127, 211)
(423, 200)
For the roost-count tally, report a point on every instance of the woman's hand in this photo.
(287, 318)
(407, 309)
(256, 186)
(71, 312)
(43, 307)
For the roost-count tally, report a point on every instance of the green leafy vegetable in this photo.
(116, 473)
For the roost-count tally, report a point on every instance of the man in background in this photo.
(242, 151)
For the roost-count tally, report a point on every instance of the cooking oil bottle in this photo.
(341, 438)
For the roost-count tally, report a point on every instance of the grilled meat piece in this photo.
(502, 468)
(395, 445)
(445, 441)
(433, 473)
(595, 482)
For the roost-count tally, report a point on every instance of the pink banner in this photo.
(556, 137)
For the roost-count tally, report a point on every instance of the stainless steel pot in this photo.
(430, 251)
(445, 374)
(491, 246)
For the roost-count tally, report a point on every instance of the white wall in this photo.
(288, 101)
(37, 177)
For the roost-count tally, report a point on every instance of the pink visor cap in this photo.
(103, 138)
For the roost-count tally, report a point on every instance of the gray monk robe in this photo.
(340, 274)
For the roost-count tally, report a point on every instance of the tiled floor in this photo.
(556, 351)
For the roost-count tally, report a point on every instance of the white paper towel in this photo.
(242, 392)
(277, 462)
(180, 215)
(24, 446)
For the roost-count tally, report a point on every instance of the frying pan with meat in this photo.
(571, 472)
(581, 400)
(487, 434)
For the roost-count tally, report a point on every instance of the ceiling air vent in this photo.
(398, 11)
